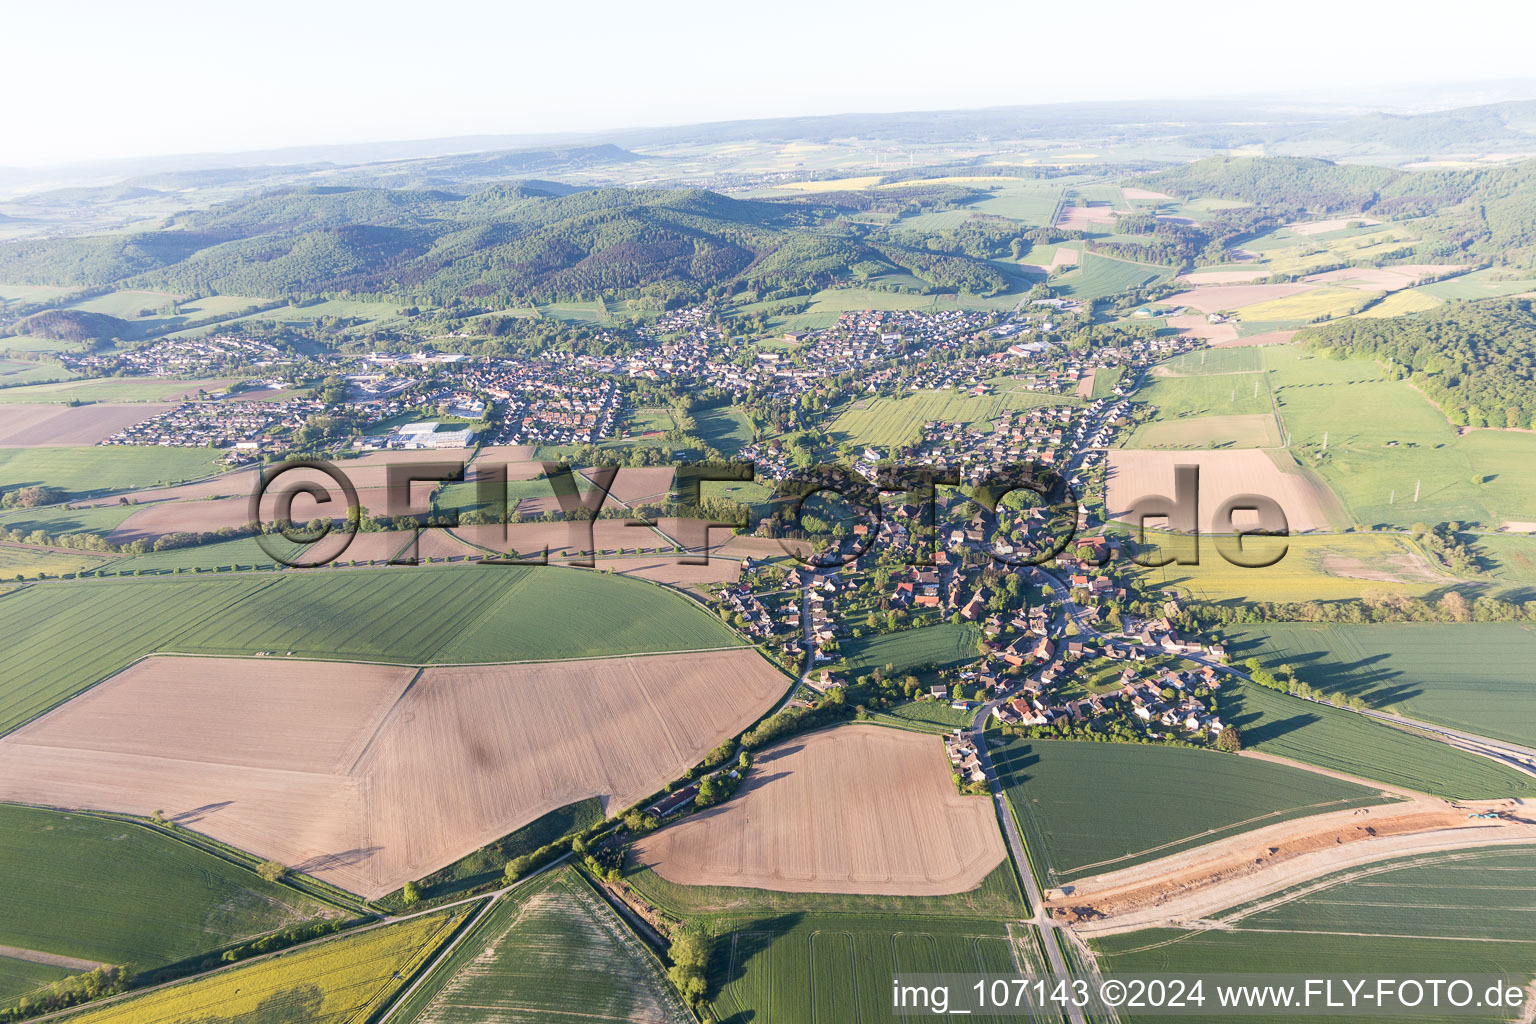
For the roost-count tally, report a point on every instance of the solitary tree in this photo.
(271, 870)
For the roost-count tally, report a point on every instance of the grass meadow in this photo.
(118, 893)
(942, 645)
(1092, 807)
(1384, 440)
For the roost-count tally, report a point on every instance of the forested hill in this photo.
(1485, 211)
(506, 243)
(1476, 360)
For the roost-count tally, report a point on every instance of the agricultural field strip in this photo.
(106, 1010)
(306, 808)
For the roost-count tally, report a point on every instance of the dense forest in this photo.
(507, 244)
(1476, 360)
(1486, 211)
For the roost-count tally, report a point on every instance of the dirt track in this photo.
(857, 809)
(1193, 884)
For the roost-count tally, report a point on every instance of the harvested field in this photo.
(1214, 277)
(221, 502)
(635, 485)
(1085, 218)
(1063, 256)
(1200, 327)
(1200, 882)
(370, 776)
(1239, 431)
(890, 824)
(1217, 297)
(1371, 279)
(1223, 474)
(1253, 340)
(1319, 227)
(63, 426)
(1142, 193)
(1085, 386)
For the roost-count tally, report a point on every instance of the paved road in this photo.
(1032, 891)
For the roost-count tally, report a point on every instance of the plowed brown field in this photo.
(859, 809)
(369, 776)
(62, 426)
(1223, 474)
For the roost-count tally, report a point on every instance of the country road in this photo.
(1021, 859)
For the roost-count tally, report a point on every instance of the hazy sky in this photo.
(85, 80)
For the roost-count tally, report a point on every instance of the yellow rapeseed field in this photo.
(343, 981)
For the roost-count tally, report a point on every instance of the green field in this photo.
(18, 977)
(1439, 915)
(63, 637)
(550, 950)
(57, 520)
(1212, 394)
(1213, 409)
(369, 315)
(943, 645)
(997, 897)
(809, 969)
(1384, 440)
(242, 552)
(1340, 740)
(1104, 381)
(1479, 284)
(120, 893)
(1205, 361)
(104, 389)
(125, 304)
(15, 373)
(18, 563)
(1468, 675)
(97, 470)
(1087, 808)
(1101, 276)
(885, 422)
(349, 978)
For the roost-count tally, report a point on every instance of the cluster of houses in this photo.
(245, 428)
(177, 357)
